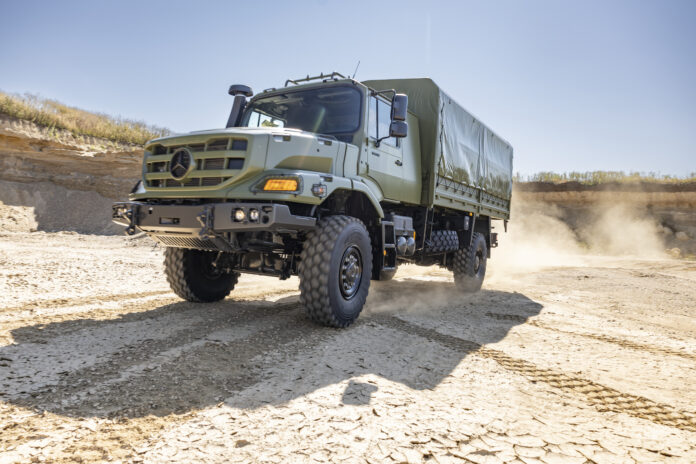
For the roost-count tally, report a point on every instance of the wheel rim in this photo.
(350, 274)
(208, 268)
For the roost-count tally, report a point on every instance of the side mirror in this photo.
(398, 129)
(399, 107)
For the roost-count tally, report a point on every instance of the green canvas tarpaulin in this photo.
(454, 144)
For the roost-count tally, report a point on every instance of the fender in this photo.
(374, 200)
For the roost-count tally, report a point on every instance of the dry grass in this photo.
(53, 114)
(603, 177)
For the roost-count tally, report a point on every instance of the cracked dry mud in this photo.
(591, 362)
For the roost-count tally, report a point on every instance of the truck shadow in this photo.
(183, 356)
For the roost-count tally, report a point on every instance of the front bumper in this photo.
(205, 226)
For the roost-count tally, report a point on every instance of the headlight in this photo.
(254, 215)
(239, 215)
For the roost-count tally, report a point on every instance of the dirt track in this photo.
(593, 360)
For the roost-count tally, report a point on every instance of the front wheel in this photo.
(193, 276)
(335, 270)
(469, 264)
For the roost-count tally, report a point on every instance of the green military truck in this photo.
(330, 179)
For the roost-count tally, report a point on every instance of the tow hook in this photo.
(131, 214)
(205, 219)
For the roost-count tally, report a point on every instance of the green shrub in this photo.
(53, 114)
(603, 177)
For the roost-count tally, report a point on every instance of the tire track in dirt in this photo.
(130, 307)
(604, 399)
(85, 300)
(603, 338)
(83, 317)
(130, 418)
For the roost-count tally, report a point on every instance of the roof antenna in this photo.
(356, 70)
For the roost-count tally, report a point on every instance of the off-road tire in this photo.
(442, 241)
(190, 277)
(335, 239)
(468, 277)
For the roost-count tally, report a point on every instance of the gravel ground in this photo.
(588, 360)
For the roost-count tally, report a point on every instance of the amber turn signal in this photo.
(280, 185)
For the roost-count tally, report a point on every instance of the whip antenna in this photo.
(356, 70)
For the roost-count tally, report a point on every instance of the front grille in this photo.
(193, 182)
(158, 167)
(208, 181)
(214, 163)
(227, 158)
(235, 163)
(217, 145)
(180, 241)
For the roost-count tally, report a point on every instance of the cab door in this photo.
(384, 158)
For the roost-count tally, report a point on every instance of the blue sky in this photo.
(572, 85)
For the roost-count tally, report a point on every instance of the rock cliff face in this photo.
(53, 180)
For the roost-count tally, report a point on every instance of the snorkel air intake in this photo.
(240, 93)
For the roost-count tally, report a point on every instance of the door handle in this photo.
(398, 163)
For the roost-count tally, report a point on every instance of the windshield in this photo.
(333, 110)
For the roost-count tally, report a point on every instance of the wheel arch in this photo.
(356, 203)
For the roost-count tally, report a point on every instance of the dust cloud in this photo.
(542, 235)
(623, 230)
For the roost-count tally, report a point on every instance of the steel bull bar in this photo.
(207, 226)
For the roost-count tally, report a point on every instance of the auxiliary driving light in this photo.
(239, 215)
(254, 215)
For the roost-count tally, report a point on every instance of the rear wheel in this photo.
(469, 264)
(335, 270)
(193, 276)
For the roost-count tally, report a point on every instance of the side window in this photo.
(383, 122)
(372, 132)
(380, 119)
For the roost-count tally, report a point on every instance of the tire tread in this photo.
(314, 269)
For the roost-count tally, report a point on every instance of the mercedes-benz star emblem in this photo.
(181, 162)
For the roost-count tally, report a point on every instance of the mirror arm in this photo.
(379, 140)
(380, 92)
